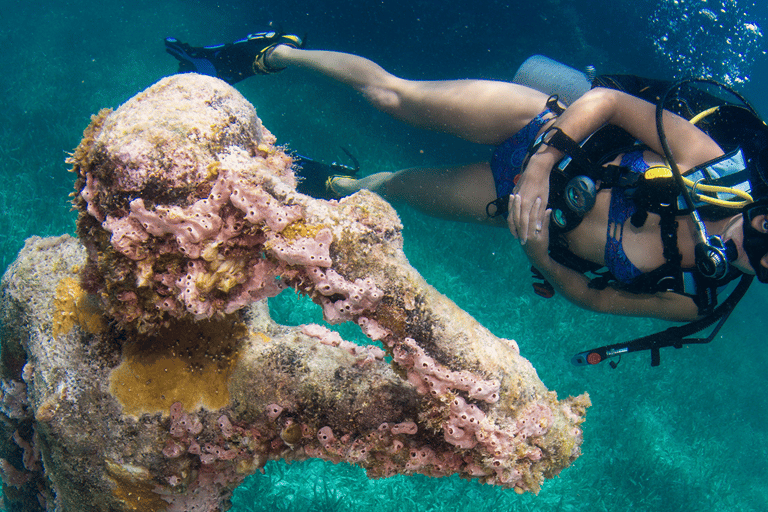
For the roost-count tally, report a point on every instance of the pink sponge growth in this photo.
(227, 430)
(355, 297)
(534, 421)
(304, 251)
(364, 355)
(326, 437)
(406, 427)
(183, 423)
(430, 377)
(274, 411)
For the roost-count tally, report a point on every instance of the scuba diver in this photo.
(629, 196)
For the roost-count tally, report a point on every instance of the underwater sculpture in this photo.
(140, 367)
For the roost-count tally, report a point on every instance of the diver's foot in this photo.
(346, 185)
(341, 186)
(232, 62)
(319, 180)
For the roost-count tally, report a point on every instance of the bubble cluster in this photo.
(719, 39)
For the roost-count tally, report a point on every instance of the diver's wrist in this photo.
(543, 160)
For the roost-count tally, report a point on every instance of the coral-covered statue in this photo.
(140, 363)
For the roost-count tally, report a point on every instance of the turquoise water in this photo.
(689, 435)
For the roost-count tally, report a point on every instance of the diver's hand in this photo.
(537, 248)
(528, 203)
(519, 225)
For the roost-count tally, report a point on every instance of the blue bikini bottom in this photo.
(507, 160)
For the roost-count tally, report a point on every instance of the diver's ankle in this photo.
(344, 186)
(276, 57)
(377, 182)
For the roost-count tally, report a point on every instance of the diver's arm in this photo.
(689, 145)
(574, 286)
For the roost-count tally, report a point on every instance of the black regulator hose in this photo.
(711, 256)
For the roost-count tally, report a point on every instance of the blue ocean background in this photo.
(691, 434)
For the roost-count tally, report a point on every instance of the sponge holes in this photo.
(167, 304)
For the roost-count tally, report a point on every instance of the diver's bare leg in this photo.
(481, 111)
(458, 193)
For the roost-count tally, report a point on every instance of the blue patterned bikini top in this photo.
(621, 209)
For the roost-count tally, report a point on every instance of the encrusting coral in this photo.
(189, 218)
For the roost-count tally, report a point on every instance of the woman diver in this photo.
(651, 252)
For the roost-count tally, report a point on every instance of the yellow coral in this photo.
(263, 337)
(301, 229)
(72, 306)
(226, 283)
(189, 362)
(205, 283)
(213, 169)
(144, 272)
(223, 273)
(210, 252)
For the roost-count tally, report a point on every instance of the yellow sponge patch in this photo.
(72, 306)
(300, 229)
(188, 362)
